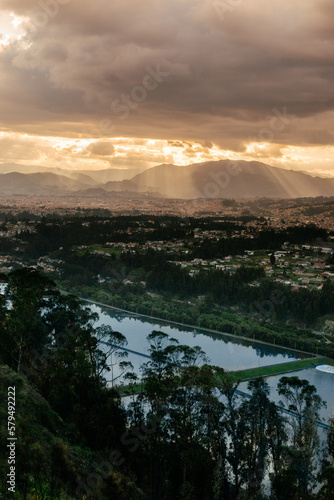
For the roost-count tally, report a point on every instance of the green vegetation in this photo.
(206, 315)
(142, 274)
(97, 248)
(292, 366)
(251, 373)
(43, 461)
(70, 417)
(175, 440)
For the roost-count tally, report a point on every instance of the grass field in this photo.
(91, 248)
(291, 366)
(242, 375)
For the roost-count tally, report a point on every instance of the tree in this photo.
(330, 439)
(179, 395)
(235, 428)
(113, 355)
(259, 413)
(327, 472)
(277, 439)
(302, 400)
(159, 373)
(29, 293)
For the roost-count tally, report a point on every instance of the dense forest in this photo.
(185, 433)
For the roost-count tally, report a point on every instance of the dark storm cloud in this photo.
(225, 76)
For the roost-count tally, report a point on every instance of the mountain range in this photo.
(214, 179)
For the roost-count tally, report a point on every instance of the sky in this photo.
(92, 84)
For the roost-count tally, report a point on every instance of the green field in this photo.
(92, 248)
(242, 375)
(292, 366)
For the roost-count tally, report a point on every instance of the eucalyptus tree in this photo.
(113, 355)
(5, 344)
(193, 424)
(159, 374)
(330, 439)
(55, 345)
(327, 472)
(277, 440)
(264, 434)
(235, 430)
(301, 399)
(29, 293)
(179, 390)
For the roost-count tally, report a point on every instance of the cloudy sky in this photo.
(110, 83)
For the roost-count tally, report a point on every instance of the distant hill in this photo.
(39, 183)
(112, 174)
(226, 179)
(126, 186)
(89, 177)
(214, 179)
(117, 193)
(51, 184)
(6, 168)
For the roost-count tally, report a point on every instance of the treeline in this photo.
(271, 239)
(51, 234)
(274, 301)
(216, 445)
(186, 434)
(49, 237)
(66, 417)
(271, 300)
(256, 326)
(6, 245)
(27, 216)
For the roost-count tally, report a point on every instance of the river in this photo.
(228, 352)
(322, 381)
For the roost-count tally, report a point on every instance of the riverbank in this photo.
(210, 318)
(249, 374)
(280, 369)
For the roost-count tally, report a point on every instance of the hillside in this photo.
(89, 177)
(38, 183)
(225, 179)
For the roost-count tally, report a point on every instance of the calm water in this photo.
(223, 351)
(324, 382)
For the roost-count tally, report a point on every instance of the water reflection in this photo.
(322, 381)
(222, 350)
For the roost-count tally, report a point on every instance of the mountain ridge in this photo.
(89, 176)
(211, 179)
(233, 179)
